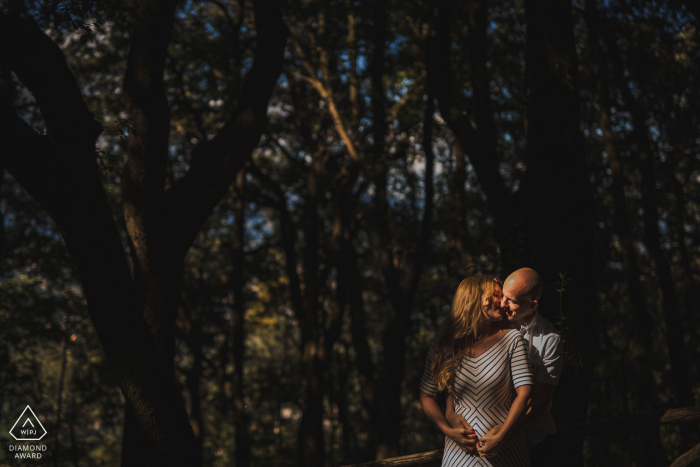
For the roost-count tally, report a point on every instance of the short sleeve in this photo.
(520, 363)
(428, 384)
(552, 360)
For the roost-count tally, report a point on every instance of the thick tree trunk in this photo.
(560, 203)
(59, 171)
(162, 225)
(647, 447)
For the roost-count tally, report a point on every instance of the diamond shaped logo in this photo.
(28, 427)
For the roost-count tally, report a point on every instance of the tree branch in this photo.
(335, 115)
(69, 124)
(215, 163)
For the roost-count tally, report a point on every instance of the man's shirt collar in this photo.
(527, 326)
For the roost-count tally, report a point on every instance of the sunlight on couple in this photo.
(499, 361)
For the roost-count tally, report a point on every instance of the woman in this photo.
(485, 367)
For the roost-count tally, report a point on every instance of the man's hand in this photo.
(458, 421)
(490, 443)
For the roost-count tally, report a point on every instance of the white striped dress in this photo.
(483, 391)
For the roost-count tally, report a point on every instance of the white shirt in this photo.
(546, 362)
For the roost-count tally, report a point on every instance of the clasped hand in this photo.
(461, 433)
(490, 443)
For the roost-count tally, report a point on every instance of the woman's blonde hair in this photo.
(463, 327)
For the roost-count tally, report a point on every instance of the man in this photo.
(521, 294)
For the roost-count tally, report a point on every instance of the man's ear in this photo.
(534, 304)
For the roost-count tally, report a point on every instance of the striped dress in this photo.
(483, 391)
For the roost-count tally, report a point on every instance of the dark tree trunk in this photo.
(189, 326)
(458, 199)
(478, 143)
(311, 445)
(560, 203)
(394, 338)
(240, 415)
(363, 353)
(647, 448)
(388, 411)
(59, 171)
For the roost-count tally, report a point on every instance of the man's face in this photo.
(516, 305)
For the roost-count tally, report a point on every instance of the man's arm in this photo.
(541, 398)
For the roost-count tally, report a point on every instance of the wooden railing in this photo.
(686, 414)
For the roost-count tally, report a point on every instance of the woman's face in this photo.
(493, 309)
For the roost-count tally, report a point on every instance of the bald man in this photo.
(521, 294)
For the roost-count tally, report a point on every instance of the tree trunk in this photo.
(401, 297)
(458, 199)
(560, 203)
(240, 414)
(647, 448)
(478, 143)
(311, 445)
(690, 306)
(59, 171)
(189, 326)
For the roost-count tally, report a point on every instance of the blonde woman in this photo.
(484, 365)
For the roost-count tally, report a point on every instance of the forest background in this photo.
(229, 230)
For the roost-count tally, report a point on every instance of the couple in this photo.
(500, 373)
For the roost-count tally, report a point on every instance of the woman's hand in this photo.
(465, 439)
(457, 421)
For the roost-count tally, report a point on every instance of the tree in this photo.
(134, 316)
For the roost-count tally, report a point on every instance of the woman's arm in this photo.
(432, 410)
(458, 421)
(491, 443)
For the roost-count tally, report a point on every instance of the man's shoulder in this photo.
(546, 330)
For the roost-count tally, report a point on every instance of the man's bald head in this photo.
(525, 283)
